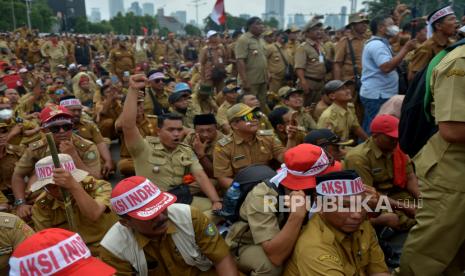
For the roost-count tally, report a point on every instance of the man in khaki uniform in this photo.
(293, 99)
(309, 63)
(213, 58)
(277, 58)
(440, 165)
(58, 121)
(13, 231)
(343, 68)
(280, 118)
(444, 26)
(252, 101)
(252, 63)
(338, 242)
(382, 165)
(230, 92)
(292, 43)
(340, 115)
(121, 59)
(33, 102)
(202, 101)
(92, 215)
(156, 98)
(55, 51)
(164, 158)
(147, 125)
(181, 104)
(173, 50)
(246, 145)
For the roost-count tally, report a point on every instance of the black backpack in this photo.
(248, 178)
(416, 124)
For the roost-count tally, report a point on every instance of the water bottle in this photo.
(230, 199)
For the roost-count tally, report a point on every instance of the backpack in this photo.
(248, 178)
(416, 124)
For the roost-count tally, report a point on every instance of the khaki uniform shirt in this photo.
(173, 52)
(276, 63)
(258, 222)
(211, 57)
(162, 99)
(323, 250)
(210, 146)
(319, 108)
(163, 258)
(33, 54)
(38, 150)
(309, 57)
(441, 163)
(304, 119)
(89, 130)
(253, 52)
(166, 168)
(121, 60)
(27, 106)
(188, 118)
(203, 106)
(340, 120)
(344, 57)
(147, 127)
(232, 153)
(221, 115)
(49, 212)
(425, 53)
(13, 231)
(291, 48)
(374, 167)
(55, 52)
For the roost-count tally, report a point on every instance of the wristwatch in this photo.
(19, 202)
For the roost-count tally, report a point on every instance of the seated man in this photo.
(294, 100)
(230, 94)
(340, 117)
(58, 121)
(157, 237)
(56, 251)
(329, 141)
(90, 200)
(264, 237)
(180, 103)
(338, 242)
(252, 101)
(382, 165)
(281, 118)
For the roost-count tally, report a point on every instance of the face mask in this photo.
(6, 114)
(392, 30)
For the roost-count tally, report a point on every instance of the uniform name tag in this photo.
(240, 157)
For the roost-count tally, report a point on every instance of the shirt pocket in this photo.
(157, 162)
(240, 161)
(182, 165)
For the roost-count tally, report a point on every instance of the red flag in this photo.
(218, 14)
(145, 30)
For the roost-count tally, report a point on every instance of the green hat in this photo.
(238, 110)
(286, 91)
(357, 18)
(205, 89)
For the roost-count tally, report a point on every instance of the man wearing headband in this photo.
(165, 158)
(340, 242)
(90, 200)
(156, 99)
(155, 236)
(58, 252)
(58, 121)
(442, 25)
(247, 145)
(264, 236)
(87, 129)
(382, 165)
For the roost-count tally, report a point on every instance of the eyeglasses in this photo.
(57, 128)
(251, 116)
(158, 80)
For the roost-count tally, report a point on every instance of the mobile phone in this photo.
(126, 74)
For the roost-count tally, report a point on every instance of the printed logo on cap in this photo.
(46, 171)
(70, 102)
(340, 187)
(51, 260)
(136, 198)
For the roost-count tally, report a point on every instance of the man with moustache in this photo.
(164, 159)
(157, 237)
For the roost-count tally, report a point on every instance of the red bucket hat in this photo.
(302, 164)
(385, 124)
(56, 251)
(139, 198)
(53, 113)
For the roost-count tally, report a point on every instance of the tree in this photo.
(273, 23)
(41, 15)
(192, 30)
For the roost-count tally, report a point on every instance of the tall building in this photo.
(135, 9)
(181, 16)
(333, 21)
(68, 8)
(116, 6)
(299, 20)
(343, 16)
(95, 15)
(148, 9)
(275, 8)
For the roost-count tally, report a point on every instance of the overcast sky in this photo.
(234, 7)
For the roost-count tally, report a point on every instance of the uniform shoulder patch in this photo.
(224, 141)
(210, 230)
(8, 221)
(456, 72)
(152, 139)
(328, 257)
(266, 132)
(38, 144)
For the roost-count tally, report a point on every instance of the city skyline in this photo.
(234, 7)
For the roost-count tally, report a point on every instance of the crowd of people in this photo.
(282, 117)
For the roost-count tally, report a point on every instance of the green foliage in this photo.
(41, 15)
(273, 23)
(132, 24)
(192, 30)
(232, 23)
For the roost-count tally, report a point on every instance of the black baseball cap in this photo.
(324, 136)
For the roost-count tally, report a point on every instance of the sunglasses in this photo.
(251, 116)
(56, 129)
(158, 80)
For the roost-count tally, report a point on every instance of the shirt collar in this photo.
(371, 143)
(143, 241)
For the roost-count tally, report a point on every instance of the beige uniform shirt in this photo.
(340, 120)
(309, 56)
(252, 51)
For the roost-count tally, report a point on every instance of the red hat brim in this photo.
(154, 207)
(296, 183)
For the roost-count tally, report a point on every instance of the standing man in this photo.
(278, 59)
(380, 80)
(213, 59)
(292, 42)
(440, 165)
(54, 51)
(309, 63)
(173, 50)
(82, 51)
(251, 61)
(121, 59)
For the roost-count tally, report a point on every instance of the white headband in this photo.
(436, 16)
(135, 198)
(319, 166)
(70, 102)
(340, 187)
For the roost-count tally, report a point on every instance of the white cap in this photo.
(462, 29)
(211, 33)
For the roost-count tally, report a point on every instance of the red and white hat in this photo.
(53, 114)
(71, 102)
(301, 165)
(139, 198)
(56, 251)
